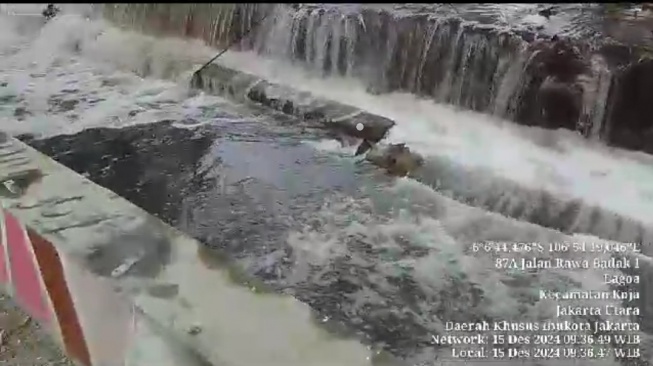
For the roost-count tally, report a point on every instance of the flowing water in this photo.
(390, 260)
(475, 56)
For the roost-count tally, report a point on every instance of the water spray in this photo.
(196, 81)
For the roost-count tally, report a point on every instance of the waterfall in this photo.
(515, 74)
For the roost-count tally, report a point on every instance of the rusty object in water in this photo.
(396, 159)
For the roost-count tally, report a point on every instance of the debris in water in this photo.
(195, 330)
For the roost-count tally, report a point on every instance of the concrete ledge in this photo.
(221, 80)
(116, 286)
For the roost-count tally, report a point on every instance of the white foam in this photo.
(91, 66)
(449, 263)
(559, 161)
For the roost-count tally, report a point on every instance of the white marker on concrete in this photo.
(359, 126)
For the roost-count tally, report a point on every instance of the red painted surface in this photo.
(25, 275)
(4, 274)
(54, 278)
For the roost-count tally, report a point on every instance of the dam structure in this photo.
(476, 63)
(157, 214)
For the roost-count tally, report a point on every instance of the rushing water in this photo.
(568, 19)
(393, 260)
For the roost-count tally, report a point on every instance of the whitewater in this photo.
(390, 260)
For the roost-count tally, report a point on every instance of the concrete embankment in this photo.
(106, 279)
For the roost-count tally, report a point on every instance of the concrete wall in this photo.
(116, 286)
(216, 24)
(218, 79)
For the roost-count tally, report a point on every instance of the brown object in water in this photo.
(397, 159)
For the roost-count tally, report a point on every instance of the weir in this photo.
(473, 186)
(175, 299)
(328, 114)
(519, 74)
